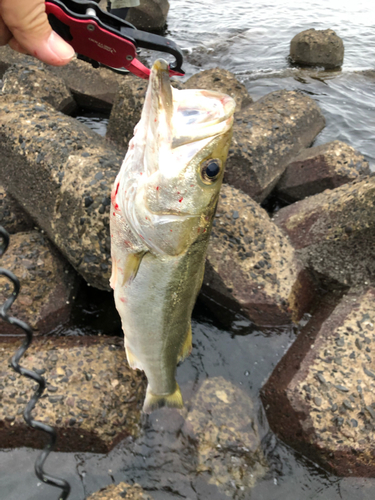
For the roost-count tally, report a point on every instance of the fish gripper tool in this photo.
(104, 39)
(39, 463)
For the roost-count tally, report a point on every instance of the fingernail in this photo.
(60, 48)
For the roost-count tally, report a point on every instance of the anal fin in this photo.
(154, 401)
(132, 360)
(187, 345)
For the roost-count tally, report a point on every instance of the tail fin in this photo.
(153, 402)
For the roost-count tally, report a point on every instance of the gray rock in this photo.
(126, 111)
(317, 48)
(150, 15)
(61, 173)
(267, 135)
(48, 284)
(90, 414)
(321, 167)
(121, 491)
(334, 232)
(251, 266)
(39, 83)
(93, 88)
(221, 421)
(12, 216)
(221, 80)
(332, 421)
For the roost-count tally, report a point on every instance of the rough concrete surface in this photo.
(334, 232)
(251, 266)
(227, 441)
(267, 135)
(320, 396)
(40, 83)
(126, 111)
(92, 397)
(150, 15)
(317, 48)
(48, 284)
(321, 167)
(221, 80)
(61, 173)
(12, 216)
(122, 491)
(93, 88)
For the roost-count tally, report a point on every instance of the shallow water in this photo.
(251, 40)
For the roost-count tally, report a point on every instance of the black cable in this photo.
(39, 463)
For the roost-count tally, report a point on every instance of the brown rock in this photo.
(120, 492)
(61, 173)
(221, 80)
(227, 441)
(321, 167)
(40, 83)
(334, 232)
(47, 284)
(317, 48)
(126, 111)
(150, 15)
(251, 266)
(319, 398)
(88, 413)
(12, 217)
(267, 135)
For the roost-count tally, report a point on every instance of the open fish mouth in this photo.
(188, 115)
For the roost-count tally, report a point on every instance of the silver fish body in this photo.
(163, 203)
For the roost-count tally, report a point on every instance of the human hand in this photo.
(24, 26)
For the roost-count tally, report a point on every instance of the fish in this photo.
(163, 204)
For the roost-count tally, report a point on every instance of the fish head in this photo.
(176, 162)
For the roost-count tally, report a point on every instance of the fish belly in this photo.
(155, 310)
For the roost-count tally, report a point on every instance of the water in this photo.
(250, 39)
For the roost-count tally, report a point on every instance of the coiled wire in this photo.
(39, 463)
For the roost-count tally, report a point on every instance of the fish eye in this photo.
(210, 170)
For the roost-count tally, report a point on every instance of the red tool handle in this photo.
(95, 42)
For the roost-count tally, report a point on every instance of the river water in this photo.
(251, 39)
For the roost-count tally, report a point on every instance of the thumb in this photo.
(28, 23)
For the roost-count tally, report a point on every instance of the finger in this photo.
(17, 46)
(5, 34)
(28, 22)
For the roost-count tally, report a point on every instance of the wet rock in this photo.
(150, 15)
(47, 284)
(331, 420)
(334, 232)
(221, 80)
(321, 167)
(12, 217)
(121, 491)
(53, 165)
(89, 415)
(39, 83)
(126, 111)
(267, 136)
(221, 421)
(317, 48)
(251, 266)
(93, 88)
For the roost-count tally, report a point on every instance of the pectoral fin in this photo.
(131, 266)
